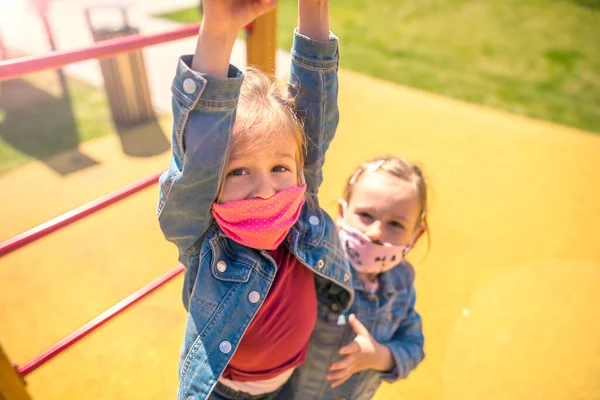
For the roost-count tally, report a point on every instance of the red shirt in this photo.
(277, 338)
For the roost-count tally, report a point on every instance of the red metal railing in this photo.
(18, 67)
(78, 213)
(26, 65)
(99, 320)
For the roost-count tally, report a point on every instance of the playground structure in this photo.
(261, 31)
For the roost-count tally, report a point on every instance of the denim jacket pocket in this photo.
(219, 276)
(228, 265)
(239, 273)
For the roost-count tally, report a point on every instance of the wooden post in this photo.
(261, 42)
(12, 385)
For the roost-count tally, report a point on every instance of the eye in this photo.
(364, 215)
(279, 168)
(238, 172)
(396, 224)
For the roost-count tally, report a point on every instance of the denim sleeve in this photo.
(204, 110)
(407, 343)
(314, 84)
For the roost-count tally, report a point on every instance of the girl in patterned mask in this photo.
(382, 215)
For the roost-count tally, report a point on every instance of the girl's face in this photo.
(261, 173)
(385, 208)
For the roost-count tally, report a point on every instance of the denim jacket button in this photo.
(346, 277)
(313, 220)
(254, 297)
(225, 347)
(221, 266)
(320, 264)
(189, 86)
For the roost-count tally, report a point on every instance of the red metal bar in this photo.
(26, 65)
(68, 218)
(99, 320)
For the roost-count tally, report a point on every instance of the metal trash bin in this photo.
(125, 79)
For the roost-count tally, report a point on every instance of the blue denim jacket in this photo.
(220, 273)
(389, 316)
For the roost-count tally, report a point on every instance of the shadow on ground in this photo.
(41, 125)
(46, 126)
(145, 140)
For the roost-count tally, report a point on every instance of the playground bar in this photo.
(68, 218)
(25, 65)
(14, 68)
(99, 320)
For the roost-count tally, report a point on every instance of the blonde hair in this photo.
(266, 114)
(400, 168)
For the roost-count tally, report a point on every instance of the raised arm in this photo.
(205, 95)
(313, 19)
(314, 83)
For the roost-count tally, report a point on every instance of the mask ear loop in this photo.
(411, 243)
(302, 178)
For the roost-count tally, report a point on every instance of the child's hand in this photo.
(225, 16)
(221, 23)
(364, 352)
(313, 19)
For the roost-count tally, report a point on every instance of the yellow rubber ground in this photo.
(509, 292)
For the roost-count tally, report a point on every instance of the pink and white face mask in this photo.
(261, 223)
(368, 257)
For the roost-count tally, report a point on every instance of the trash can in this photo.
(125, 79)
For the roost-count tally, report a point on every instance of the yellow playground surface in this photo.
(509, 292)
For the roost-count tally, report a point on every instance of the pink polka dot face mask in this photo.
(261, 223)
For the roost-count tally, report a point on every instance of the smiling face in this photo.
(261, 173)
(384, 207)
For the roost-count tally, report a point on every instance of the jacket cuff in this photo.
(314, 54)
(195, 89)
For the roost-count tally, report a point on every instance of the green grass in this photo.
(539, 58)
(187, 16)
(37, 122)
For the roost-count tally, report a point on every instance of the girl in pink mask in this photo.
(240, 203)
(382, 215)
